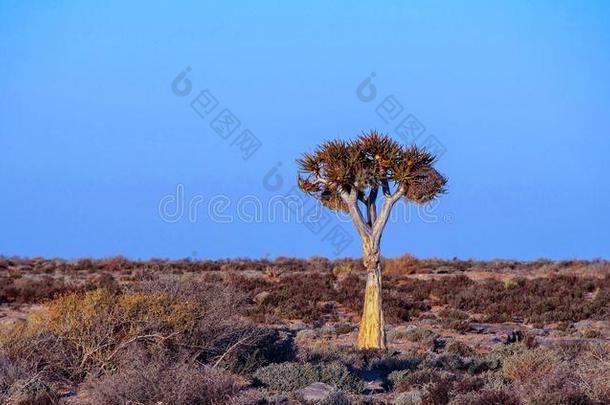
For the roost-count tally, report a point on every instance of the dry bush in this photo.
(405, 264)
(459, 348)
(541, 300)
(29, 392)
(99, 325)
(30, 290)
(221, 336)
(530, 366)
(92, 332)
(488, 396)
(593, 373)
(145, 380)
(293, 297)
(30, 346)
(22, 383)
(454, 319)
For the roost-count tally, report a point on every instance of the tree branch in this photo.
(382, 219)
(351, 200)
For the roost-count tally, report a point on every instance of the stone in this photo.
(317, 392)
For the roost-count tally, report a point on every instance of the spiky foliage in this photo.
(372, 161)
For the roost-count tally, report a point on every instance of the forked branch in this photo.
(384, 214)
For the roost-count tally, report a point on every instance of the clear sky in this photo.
(105, 151)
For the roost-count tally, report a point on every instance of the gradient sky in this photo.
(94, 141)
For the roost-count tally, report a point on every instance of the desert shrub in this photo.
(306, 334)
(529, 366)
(361, 361)
(343, 328)
(421, 335)
(107, 282)
(399, 332)
(449, 361)
(30, 392)
(99, 324)
(590, 333)
(220, 336)
(559, 397)
(540, 300)
(294, 296)
(459, 348)
(409, 398)
(454, 319)
(396, 376)
(439, 389)
(467, 383)
(242, 348)
(480, 364)
(151, 381)
(30, 348)
(488, 396)
(298, 297)
(292, 376)
(343, 269)
(30, 290)
(21, 382)
(405, 264)
(91, 332)
(350, 291)
(400, 307)
(420, 378)
(592, 373)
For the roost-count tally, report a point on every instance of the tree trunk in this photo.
(371, 334)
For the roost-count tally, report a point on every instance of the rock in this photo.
(317, 392)
(261, 297)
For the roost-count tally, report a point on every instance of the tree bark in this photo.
(371, 334)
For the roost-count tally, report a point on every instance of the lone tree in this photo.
(348, 177)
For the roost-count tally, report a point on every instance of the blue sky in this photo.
(94, 141)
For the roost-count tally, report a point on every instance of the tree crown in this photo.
(338, 169)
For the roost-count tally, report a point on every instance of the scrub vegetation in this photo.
(116, 331)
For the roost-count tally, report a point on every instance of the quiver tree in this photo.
(365, 178)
